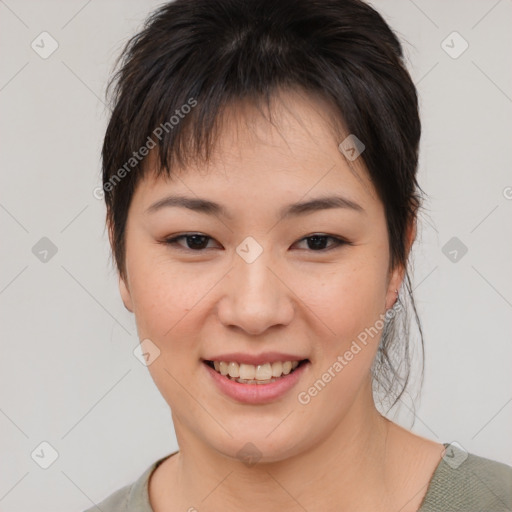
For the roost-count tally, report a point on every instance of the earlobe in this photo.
(412, 232)
(125, 295)
(393, 288)
(399, 273)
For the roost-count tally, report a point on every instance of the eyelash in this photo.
(173, 241)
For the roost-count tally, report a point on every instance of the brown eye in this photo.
(194, 242)
(317, 243)
(198, 242)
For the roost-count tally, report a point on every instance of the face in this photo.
(253, 281)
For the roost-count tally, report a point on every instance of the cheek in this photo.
(164, 306)
(162, 293)
(349, 305)
(348, 300)
(163, 310)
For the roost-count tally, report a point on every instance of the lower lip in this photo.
(257, 393)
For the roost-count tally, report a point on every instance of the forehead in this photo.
(288, 153)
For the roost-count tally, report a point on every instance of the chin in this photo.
(257, 447)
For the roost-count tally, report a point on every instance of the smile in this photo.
(254, 374)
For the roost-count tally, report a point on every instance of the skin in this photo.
(337, 452)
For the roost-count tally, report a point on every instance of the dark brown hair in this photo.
(195, 57)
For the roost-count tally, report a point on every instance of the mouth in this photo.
(265, 373)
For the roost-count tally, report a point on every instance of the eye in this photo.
(198, 242)
(195, 241)
(317, 242)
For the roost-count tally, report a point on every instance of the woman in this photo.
(259, 171)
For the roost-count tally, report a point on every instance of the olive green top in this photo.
(462, 482)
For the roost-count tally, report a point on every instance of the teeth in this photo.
(262, 373)
(247, 371)
(234, 370)
(223, 368)
(277, 369)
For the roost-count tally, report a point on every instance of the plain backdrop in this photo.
(69, 377)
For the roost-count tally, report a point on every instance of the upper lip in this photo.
(255, 359)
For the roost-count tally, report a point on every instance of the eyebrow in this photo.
(293, 210)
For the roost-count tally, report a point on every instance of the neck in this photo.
(351, 461)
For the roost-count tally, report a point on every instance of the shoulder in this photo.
(116, 502)
(130, 498)
(467, 482)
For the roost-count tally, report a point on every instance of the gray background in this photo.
(68, 373)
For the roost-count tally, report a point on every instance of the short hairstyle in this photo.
(194, 58)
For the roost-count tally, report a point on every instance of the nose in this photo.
(255, 296)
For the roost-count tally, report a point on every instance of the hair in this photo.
(194, 58)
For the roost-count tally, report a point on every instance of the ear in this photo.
(125, 294)
(123, 286)
(397, 276)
